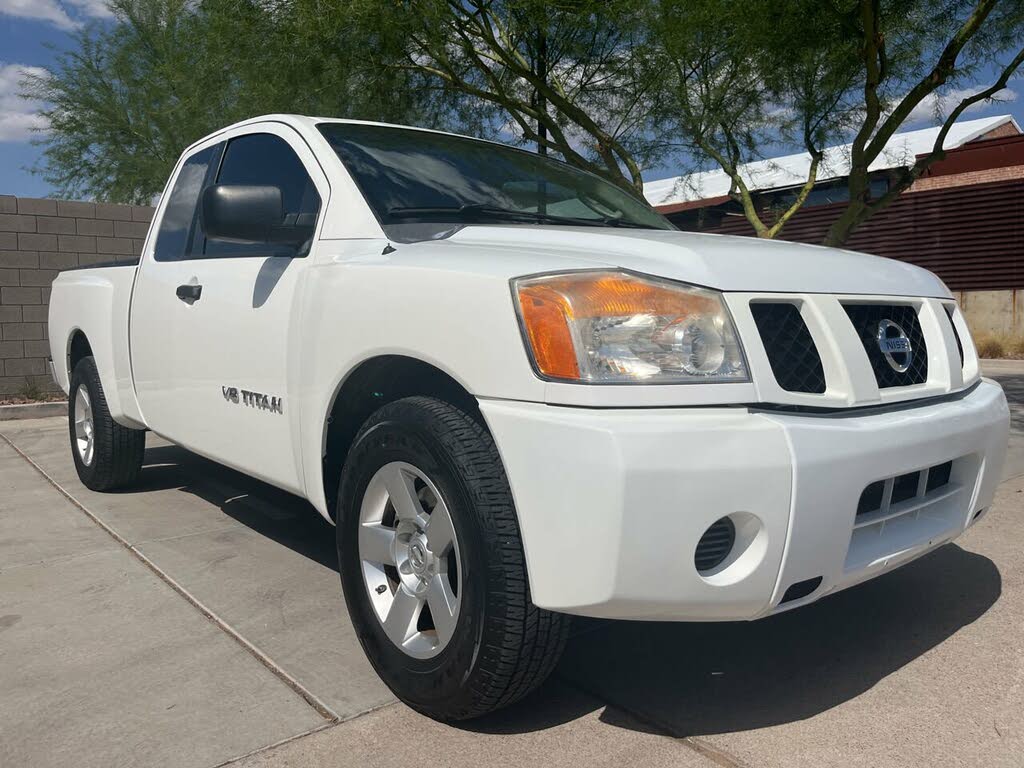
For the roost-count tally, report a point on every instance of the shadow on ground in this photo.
(271, 512)
(684, 679)
(700, 679)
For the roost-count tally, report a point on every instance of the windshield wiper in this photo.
(472, 209)
(495, 212)
(610, 221)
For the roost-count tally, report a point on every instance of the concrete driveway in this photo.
(197, 620)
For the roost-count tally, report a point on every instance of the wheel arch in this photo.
(88, 315)
(372, 384)
(78, 346)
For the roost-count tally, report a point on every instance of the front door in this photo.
(213, 335)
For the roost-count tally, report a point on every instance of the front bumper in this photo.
(612, 502)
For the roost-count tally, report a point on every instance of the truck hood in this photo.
(716, 261)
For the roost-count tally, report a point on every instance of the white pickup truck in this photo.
(521, 394)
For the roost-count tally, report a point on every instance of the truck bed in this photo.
(95, 300)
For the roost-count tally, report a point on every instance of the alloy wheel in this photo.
(409, 557)
(85, 430)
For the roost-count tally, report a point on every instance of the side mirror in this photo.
(242, 214)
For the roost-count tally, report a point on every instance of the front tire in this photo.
(107, 455)
(432, 564)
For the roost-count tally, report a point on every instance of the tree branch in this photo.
(938, 151)
(936, 77)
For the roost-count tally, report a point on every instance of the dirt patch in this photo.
(1000, 346)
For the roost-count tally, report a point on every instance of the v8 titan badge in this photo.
(253, 399)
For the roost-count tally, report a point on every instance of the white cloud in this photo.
(19, 117)
(936, 107)
(96, 9)
(56, 12)
(42, 10)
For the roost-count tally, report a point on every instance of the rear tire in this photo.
(107, 455)
(499, 646)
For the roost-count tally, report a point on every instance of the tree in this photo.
(609, 87)
(743, 78)
(909, 52)
(738, 78)
(562, 75)
(132, 96)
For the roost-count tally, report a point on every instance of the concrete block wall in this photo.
(38, 239)
(999, 313)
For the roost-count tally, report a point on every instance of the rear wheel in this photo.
(107, 455)
(432, 564)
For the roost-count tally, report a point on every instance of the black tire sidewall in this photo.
(86, 375)
(447, 678)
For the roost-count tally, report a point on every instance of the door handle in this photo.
(189, 293)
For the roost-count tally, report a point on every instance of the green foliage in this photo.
(131, 97)
(611, 87)
(561, 75)
(910, 53)
(739, 79)
(742, 78)
(31, 391)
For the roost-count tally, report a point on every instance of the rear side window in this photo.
(264, 159)
(178, 226)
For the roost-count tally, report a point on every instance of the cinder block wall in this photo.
(993, 312)
(38, 239)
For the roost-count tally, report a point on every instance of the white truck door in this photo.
(213, 326)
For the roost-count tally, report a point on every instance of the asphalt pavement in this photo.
(197, 620)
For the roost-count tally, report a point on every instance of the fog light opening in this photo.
(731, 549)
(715, 545)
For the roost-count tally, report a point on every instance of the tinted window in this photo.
(263, 159)
(408, 175)
(178, 225)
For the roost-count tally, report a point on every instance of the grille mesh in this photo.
(865, 319)
(794, 358)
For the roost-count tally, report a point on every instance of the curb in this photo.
(33, 410)
(1001, 366)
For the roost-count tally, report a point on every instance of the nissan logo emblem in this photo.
(895, 346)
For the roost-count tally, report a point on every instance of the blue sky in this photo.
(31, 30)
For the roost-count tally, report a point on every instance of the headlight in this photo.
(615, 327)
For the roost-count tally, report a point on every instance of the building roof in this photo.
(791, 170)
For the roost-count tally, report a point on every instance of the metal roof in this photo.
(791, 170)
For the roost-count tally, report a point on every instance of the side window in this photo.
(262, 159)
(177, 227)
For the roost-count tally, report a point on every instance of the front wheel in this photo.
(107, 455)
(432, 564)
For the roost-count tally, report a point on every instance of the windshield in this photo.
(409, 176)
